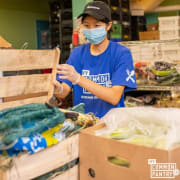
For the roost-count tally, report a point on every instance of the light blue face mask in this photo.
(96, 35)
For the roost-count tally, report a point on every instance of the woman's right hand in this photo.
(68, 72)
(58, 87)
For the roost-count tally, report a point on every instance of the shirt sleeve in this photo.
(73, 61)
(123, 71)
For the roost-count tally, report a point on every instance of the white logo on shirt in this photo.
(102, 79)
(130, 74)
(92, 7)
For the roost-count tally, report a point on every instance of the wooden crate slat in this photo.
(5, 105)
(53, 75)
(71, 174)
(25, 84)
(26, 96)
(16, 60)
(30, 166)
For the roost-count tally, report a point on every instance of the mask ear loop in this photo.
(110, 30)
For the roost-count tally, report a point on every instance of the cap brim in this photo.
(93, 14)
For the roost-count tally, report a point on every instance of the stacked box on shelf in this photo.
(138, 24)
(169, 27)
(135, 51)
(171, 51)
(148, 52)
(143, 51)
(170, 34)
(149, 35)
(167, 50)
(152, 32)
(61, 26)
(153, 27)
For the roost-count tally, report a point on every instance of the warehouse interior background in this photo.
(134, 137)
(20, 22)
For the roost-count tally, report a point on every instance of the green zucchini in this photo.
(163, 73)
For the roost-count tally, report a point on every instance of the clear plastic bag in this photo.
(156, 127)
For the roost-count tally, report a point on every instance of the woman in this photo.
(98, 72)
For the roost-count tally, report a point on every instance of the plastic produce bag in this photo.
(154, 127)
(141, 69)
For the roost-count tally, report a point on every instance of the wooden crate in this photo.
(34, 88)
(17, 60)
(69, 175)
(26, 167)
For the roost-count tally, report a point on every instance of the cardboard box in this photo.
(169, 23)
(153, 27)
(169, 34)
(149, 35)
(95, 150)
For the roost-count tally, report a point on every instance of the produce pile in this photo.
(158, 99)
(140, 134)
(143, 100)
(142, 126)
(168, 103)
(164, 73)
(34, 127)
(158, 73)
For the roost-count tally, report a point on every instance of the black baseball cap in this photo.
(97, 9)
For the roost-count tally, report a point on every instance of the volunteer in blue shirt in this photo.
(98, 72)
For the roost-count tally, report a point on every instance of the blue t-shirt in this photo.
(112, 67)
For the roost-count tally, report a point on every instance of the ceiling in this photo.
(146, 5)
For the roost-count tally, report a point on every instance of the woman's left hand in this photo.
(68, 72)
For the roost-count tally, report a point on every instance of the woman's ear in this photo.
(109, 25)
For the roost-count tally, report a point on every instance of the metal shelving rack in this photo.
(138, 24)
(157, 88)
(61, 26)
(120, 12)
